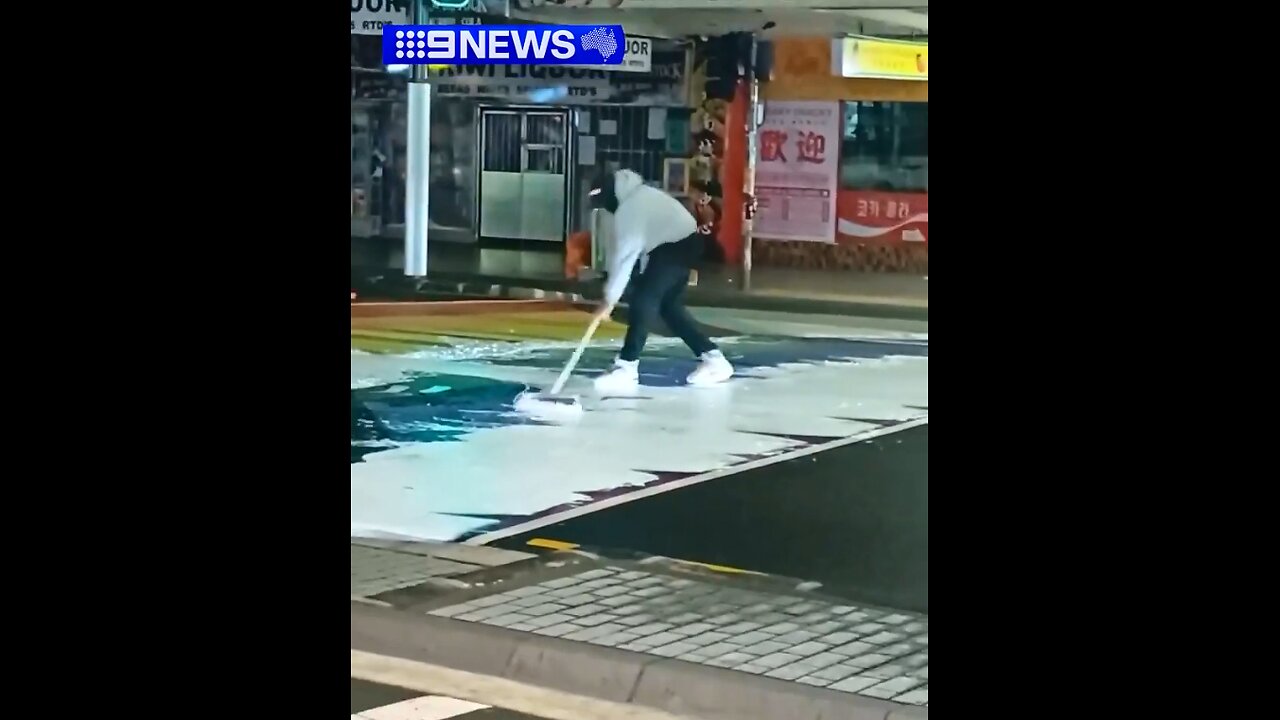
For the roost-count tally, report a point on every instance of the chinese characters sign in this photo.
(883, 217)
(796, 171)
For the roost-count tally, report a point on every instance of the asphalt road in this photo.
(855, 518)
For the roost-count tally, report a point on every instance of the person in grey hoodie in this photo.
(657, 231)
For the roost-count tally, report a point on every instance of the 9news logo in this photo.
(503, 44)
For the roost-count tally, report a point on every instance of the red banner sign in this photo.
(882, 217)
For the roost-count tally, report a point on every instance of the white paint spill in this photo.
(538, 407)
(425, 490)
(430, 707)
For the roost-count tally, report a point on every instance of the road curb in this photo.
(606, 673)
(553, 550)
(572, 291)
(479, 555)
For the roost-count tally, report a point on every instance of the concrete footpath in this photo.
(381, 566)
(458, 266)
(693, 641)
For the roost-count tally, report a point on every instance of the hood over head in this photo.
(609, 189)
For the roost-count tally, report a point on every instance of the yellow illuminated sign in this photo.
(868, 58)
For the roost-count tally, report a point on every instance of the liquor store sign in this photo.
(368, 16)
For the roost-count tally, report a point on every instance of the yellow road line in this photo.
(718, 568)
(562, 545)
(552, 544)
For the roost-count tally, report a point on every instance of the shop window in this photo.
(379, 135)
(453, 163)
(368, 169)
(885, 147)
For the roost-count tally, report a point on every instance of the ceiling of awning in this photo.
(772, 18)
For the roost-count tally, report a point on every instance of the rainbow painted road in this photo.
(438, 453)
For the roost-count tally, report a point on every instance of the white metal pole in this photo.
(418, 158)
(749, 181)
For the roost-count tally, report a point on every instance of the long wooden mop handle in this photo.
(573, 360)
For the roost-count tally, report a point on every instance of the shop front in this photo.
(842, 175)
(512, 148)
(540, 131)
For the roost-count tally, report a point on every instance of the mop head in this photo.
(549, 408)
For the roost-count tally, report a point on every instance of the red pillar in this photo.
(733, 174)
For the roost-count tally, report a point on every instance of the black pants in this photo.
(659, 292)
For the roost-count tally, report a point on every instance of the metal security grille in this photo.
(544, 142)
(622, 141)
(501, 142)
(523, 174)
(630, 147)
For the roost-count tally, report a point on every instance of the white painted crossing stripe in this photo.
(428, 707)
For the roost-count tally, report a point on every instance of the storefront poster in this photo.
(797, 170)
(867, 216)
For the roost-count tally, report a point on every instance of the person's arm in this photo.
(627, 251)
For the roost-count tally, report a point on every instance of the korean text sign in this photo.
(797, 171)
(503, 44)
(869, 216)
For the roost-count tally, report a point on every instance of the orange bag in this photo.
(577, 254)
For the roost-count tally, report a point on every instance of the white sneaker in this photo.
(624, 377)
(713, 369)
